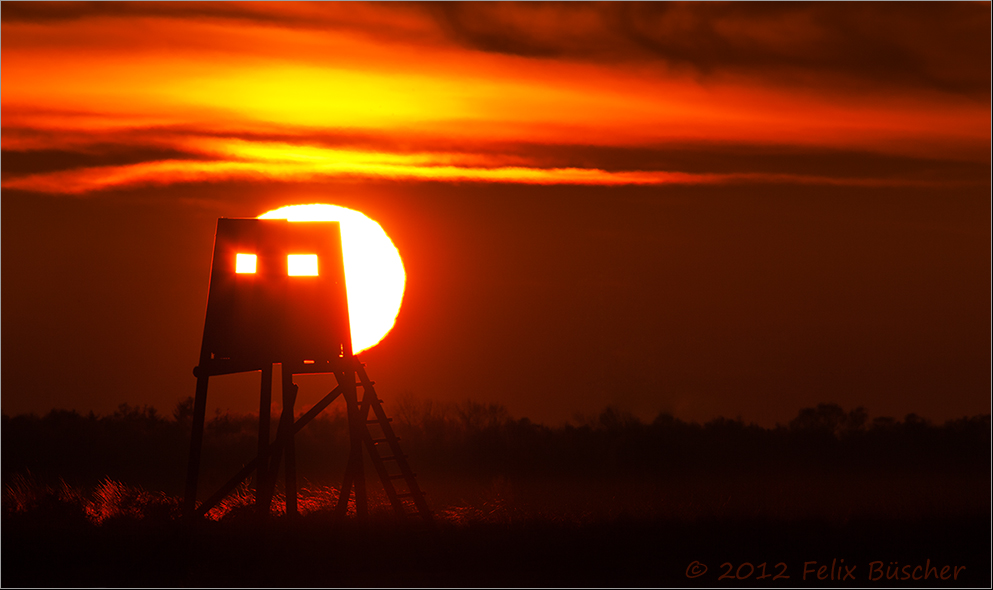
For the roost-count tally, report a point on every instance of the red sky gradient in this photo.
(657, 159)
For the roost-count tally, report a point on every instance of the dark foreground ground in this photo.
(312, 552)
(829, 500)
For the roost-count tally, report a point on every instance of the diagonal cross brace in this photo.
(274, 449)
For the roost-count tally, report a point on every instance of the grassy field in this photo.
(611, 503)
(505, 533)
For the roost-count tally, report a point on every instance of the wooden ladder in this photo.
(408, 500)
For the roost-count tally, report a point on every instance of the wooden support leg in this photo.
(284, 436)
(262, 473)
(354, 479)
(341, 508)
(356, 426)
(274, 449)
(287, 430)
(196, 445)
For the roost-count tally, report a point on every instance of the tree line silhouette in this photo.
(512, 497)
(139, 445)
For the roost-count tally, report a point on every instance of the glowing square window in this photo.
(301, 265)
(245, 263)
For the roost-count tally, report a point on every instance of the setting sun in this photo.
(374, 275)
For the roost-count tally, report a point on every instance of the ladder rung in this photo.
(377, 421)
(393, 458)
(379, 440)
(360, 384)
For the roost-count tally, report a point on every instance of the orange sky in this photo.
(302, 92)
(707, 208)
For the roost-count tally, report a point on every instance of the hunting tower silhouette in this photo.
(277, 295)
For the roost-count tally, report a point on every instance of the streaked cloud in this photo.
(132, 94)
(240, 160)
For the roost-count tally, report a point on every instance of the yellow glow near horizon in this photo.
(374, 274)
